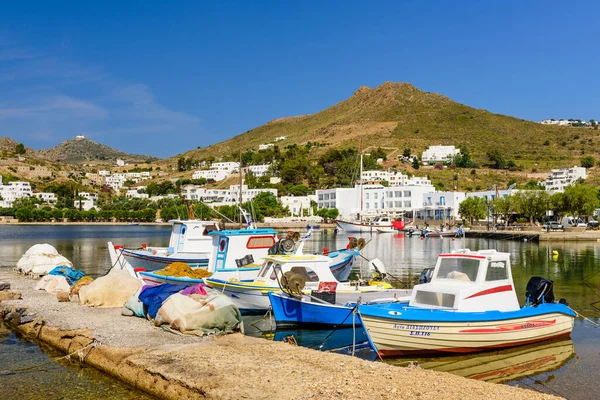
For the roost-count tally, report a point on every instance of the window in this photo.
(435, 299)
(367, 206)
(442, 201)
(260, 242)
(496, 271)
(464, 269)
(320, 197)
(407, 193)
(407, 204)
(367, 196)
(375, 196)
(265, 268)
(398, 194)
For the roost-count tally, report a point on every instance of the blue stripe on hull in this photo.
(401, 312)
(290, 311)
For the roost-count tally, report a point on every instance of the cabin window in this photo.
(265, 268)
(260, 242)
(208, 229)
(496, 271)
(307, 273)
(464, 269)
(435, 299)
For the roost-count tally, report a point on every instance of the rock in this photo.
(63, 297)
(9, 295)
(13, 318)
(4, 286)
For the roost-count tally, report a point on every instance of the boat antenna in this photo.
(360, 180)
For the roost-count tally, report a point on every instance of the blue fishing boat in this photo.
(469, 305)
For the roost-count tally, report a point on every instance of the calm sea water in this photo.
(566, 367)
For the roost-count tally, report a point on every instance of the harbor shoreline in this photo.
(180, 366)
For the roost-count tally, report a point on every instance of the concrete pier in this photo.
(227, 367)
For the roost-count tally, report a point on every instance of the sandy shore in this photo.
(228, 367)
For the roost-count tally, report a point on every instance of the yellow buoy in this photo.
(555, 252)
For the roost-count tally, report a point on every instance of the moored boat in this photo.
(190, 243)
(469, 305)
(362, 226)
(252, 297)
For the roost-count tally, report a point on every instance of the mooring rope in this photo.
(80, 353)
(585, 318)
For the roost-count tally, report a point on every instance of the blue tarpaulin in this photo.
(72, 275)
(154, 296)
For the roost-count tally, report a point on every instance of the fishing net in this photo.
(180, 269)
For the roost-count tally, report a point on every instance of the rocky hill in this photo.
(400, 116)
(80, 150)
(8, 145)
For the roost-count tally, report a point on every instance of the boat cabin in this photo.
(313, 268)
(191, 236)
(233, 249)
(469, 281)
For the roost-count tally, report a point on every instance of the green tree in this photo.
(577, 200)
(532, 204)
(415, 163)
(20, 149)
(406, 152)
(533, 185)
(588, 162)
(473, 208)
(504, 206)
(495, 157)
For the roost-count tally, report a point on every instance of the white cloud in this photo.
(144, 105)
(75, 107)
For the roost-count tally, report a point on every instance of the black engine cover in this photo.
(539, 290)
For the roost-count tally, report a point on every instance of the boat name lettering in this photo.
(417, 333)
(497, 264)
(416, 327)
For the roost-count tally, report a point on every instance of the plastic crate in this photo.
(328, 297)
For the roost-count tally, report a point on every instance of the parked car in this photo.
(552, 226)
(593, 224)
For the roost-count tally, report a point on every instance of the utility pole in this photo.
(241, 182)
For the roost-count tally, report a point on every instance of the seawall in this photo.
(226, 367)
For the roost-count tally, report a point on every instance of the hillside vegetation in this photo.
(397, 116)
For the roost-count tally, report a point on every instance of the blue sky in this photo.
(160, 78)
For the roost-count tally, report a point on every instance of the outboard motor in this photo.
(539, 290)
(426, 275)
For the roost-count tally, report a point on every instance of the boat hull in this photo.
(144, 260)
(244, 275)
(254, 298)
(291, 311)
(396, 335)
(357, 227)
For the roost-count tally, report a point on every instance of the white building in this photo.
(439, 154)
(88, 203)
(441, 206)
(259, 170)
(298, 205)
(222, 196)
(218, 171)
(393, 178)
(265, 146)
(12, 191)
(376, 199)
(104, 173)
(280, 138)
(135, 193)
(120, 163)
(561, 178)
(46, 197)
(116, 181)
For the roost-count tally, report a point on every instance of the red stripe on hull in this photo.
(499, 289)
(390, 353)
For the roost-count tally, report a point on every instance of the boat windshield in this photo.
(457, 268)
(265, 268)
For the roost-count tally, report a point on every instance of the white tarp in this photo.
(199, 315)
(53, 284)
(112, 290)
(41, 259)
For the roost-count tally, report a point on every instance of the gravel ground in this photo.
(241, 367)
(108, 325)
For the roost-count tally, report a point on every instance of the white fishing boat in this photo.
(469, 305)
(190, 242)
(364, 226)
(312, 269)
